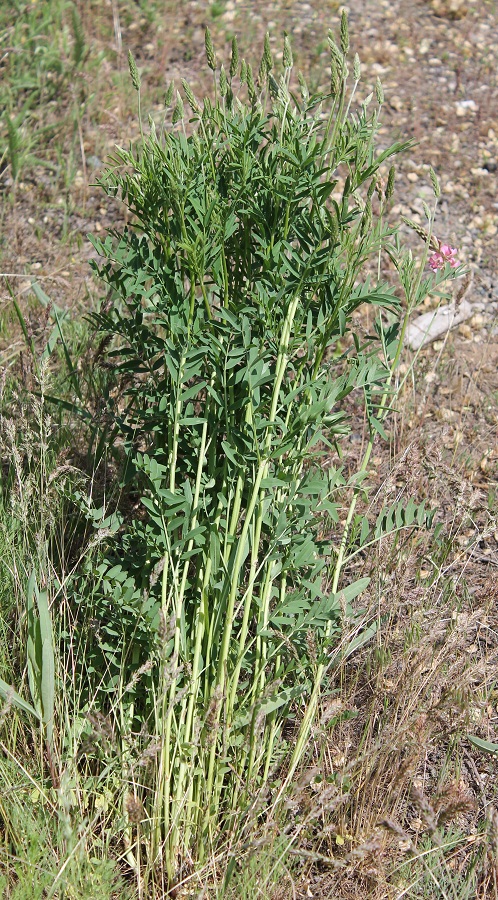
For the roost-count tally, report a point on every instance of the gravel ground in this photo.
(437, 60)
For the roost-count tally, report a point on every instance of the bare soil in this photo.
(437, 60)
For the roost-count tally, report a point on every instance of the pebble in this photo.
(465, 106)
(431, 325)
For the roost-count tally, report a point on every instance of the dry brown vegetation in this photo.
(396, 802)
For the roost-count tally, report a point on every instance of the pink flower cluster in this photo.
(445, 254)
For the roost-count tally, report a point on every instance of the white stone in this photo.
(432, 325)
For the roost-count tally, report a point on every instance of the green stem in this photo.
(309, 715)
(262, 472)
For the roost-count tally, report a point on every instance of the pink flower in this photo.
(445, 254)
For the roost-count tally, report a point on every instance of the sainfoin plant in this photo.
(255, 225)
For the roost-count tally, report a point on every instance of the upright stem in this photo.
(261, 473)
(311, 708)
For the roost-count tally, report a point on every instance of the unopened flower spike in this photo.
(168, 97)
(268, 57)
(190, 96)
(210, 54)
(305, 94)
(234, 61)
(263, 71)
(435, 183)
(344, 33)
(251, 88)
(179, 110)
(287, 58)
(135, 76)
(390, 183)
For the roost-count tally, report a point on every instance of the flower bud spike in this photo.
(234, 61)
(390, 182)
(262, 73)
(190, 96)
(427, 211)
(268, 56)
(435, 183)
(251, 88)
(335, 78)
(273, 86)
(287, 57)
(135, 76)
(305, 94)
(168, 97)
(179, 110)
(210, 54)
(344, 33)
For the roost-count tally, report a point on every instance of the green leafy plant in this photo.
(231, 332)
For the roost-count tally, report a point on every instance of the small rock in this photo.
(449, 9)
(412, 176)
(465, 106)
(431, 325)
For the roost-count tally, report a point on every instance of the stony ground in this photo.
(437, 60)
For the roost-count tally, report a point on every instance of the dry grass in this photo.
(396, 802)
